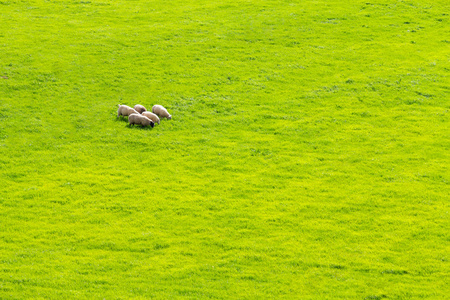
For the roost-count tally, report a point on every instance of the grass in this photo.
(307, 156)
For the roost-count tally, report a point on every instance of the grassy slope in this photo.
(308, 154)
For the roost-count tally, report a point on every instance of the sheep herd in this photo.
(140, 116)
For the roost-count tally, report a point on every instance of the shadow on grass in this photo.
(121, 119)
(139, 127)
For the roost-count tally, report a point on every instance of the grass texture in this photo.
(307, 157)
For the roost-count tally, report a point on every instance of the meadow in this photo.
(307, 157)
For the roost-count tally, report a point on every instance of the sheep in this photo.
(140, 120)
(139, 108)
(125, 110)
(161, 112)
(151, 116)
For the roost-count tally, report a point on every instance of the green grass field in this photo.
(307, 158)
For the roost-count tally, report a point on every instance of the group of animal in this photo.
(140, 116)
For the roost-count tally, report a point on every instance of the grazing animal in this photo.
(139, 108)
(140, 120)
(161, 112)
(125, 110)
(151, 116)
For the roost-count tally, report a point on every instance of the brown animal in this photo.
(125, 110)
(140, 120)
(151, 116)
(161, 112)
(139, 108)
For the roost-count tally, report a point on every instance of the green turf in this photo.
(307, 158)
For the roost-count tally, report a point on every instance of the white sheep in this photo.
(125, 110)
(140, 120)
(151, 116)
(161, 112)
(139, 108)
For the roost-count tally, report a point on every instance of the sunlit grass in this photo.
(307, 156)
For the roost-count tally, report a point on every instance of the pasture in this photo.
(307, 156)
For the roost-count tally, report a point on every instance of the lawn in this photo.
(307, 156)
